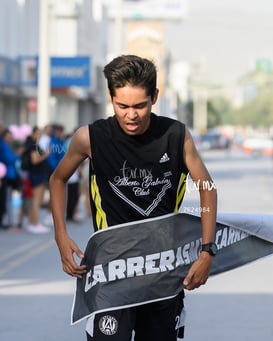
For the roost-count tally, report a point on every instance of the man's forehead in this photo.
(130, 94)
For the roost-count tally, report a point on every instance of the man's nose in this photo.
(131, 113)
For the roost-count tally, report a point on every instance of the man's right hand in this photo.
(67, 248)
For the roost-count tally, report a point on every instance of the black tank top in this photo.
(136, 177)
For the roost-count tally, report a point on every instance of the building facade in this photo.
(76, 32)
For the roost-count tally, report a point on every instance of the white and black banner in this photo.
(146, 261)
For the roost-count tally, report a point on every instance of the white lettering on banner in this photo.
(135, 266)
(116, 269)
(150, 264)
(98, 276)
(228, 236)
(164, 261)
(141, 266)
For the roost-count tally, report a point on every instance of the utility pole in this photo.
(118, 28)
(43, 67)
(200, 99)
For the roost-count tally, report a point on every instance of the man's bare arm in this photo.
(78, 151)
(199, 271)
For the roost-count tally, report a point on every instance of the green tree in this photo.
(258, 111)
(218, 109)
(218, 112)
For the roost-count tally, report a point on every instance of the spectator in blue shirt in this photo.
(56, 147)
(12, 178)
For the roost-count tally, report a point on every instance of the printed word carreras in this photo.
(167, 260)
(143, 265)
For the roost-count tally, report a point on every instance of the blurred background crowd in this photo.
(28, 156)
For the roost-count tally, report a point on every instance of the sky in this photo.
(225, 36)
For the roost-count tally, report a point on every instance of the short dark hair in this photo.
(131, 70)
(5, 132)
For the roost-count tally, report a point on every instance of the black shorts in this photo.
(159, 321)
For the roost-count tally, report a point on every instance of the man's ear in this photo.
(155, 96)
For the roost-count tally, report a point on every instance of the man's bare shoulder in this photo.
(188, 140)
(82, 133)
(81, 140)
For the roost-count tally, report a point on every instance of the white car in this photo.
(262, 146)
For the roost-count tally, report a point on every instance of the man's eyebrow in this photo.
(134, 105)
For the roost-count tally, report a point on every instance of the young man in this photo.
(132, 147)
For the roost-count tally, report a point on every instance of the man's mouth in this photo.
(132, 126)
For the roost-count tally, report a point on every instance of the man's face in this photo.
(8, 138)
(133, 108)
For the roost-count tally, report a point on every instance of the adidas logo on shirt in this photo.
(164, 158)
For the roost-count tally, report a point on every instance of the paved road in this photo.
(36, 297)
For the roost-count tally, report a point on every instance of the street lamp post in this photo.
(200, 110)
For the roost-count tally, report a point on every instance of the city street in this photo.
(36, 296)
(236, 305)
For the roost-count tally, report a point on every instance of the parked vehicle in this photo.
(213, 140)
(261, 146)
